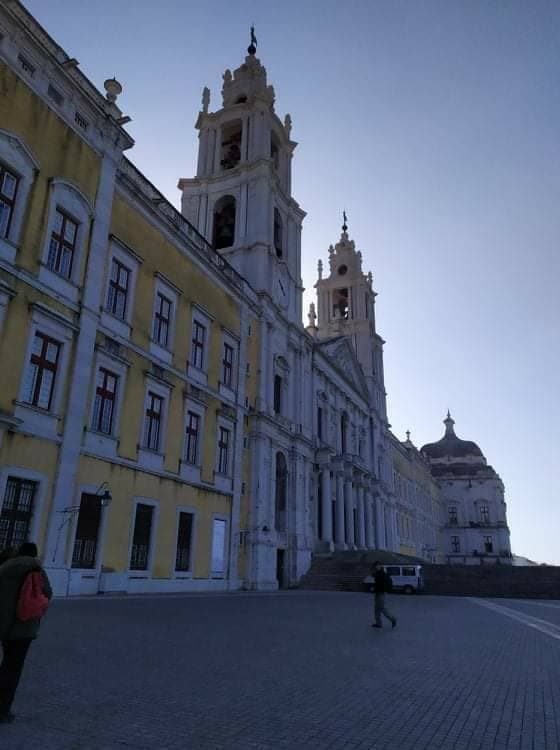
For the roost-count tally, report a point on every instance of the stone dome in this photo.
(451, 446)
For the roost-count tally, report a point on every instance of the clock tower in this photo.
(240, 199)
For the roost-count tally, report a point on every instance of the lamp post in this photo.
(72, 510)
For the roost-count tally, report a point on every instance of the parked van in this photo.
(406, 578)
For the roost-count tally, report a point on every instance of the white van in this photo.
(406, 578)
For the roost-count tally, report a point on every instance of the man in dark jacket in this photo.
(382, 585)
(16, 636)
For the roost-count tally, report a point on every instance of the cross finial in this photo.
(345, 219)
(252, 48)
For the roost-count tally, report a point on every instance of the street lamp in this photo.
(72, 510)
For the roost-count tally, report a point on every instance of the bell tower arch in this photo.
(240, 198)
(346, 307)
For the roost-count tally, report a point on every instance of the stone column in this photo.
(340, 530)
(349, 503)
(217, 151)
(361, 535)
(370, 535)
(56, 552)
(244, 129)
(326, 509)
(380, 523)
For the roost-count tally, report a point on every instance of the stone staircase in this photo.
(345, 571)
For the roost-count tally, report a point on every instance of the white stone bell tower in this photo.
(346, 307)
(240, 199)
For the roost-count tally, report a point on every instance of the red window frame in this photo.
(192, 432)
(152, 422)
(9, 201)
(223, 450)
(118, 291)
(162, 319)
(105, 399)
(198, 340)
(227, 365)
(60, 246)
(43, 364)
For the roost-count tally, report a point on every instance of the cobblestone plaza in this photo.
(291, 670)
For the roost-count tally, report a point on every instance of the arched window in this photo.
(281, 488)
(278, 231)
(224, 222)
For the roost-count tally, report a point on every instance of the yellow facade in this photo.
(417, 501)
(55, 453)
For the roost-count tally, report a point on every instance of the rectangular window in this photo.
(81, 121)
(198, 339)
(87, 532)
(393, 570)
(104, 403)
(62, 244)
(162, 320)
(17, 510)
(218, 548)
(140, 553)
(455, 544)
(25, 65)
(277, 394)
(227, 365)
(41, 372)
(223, 450)
(118, 290)
(488, 544)
(484, 514)
(8, 190)
(184, 542)
(191, 442)
(55, 95)
(453, 518)
(152, 422)
(319, 423)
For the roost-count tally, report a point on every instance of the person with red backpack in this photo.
(25, 592)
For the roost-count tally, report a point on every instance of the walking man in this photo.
(382, 582)
(16, 635)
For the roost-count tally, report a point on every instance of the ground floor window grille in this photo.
(141, 539)
(184, 542)
(87, 532)
(17, 509)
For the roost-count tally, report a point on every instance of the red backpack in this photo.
(32, 603)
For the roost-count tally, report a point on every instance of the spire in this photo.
(252, 48)
(345, 219)
(449, 422)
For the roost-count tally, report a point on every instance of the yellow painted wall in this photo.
(14, 338)
(158, 254)
(39, 455)
(126, 484)
(59, 150)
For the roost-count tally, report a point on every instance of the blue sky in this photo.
(436, 125)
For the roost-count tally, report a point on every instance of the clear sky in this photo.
(436, 124)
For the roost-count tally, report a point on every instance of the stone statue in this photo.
(205, 98)
(320, 269)
(288, 125)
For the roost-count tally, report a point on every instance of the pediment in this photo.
(342, 355)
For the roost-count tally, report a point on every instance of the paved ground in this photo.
(295, 670)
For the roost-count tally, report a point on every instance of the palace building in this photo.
(167, 423)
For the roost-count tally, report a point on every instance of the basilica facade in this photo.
(167, 421)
